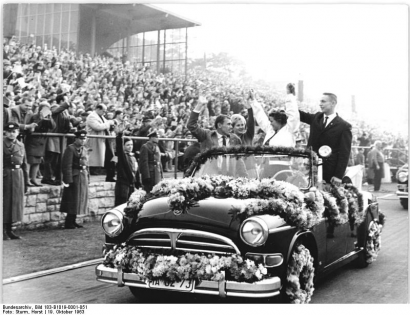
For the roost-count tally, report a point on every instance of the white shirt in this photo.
(330, 118)
(221, 140)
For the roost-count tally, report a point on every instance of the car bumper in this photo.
(402, 194)
(261, 289)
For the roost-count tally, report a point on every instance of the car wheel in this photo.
(404, 202)
(361, 261)
(298, 286)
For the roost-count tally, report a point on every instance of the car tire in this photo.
(404, 202)
(298, 285)
(361, 261)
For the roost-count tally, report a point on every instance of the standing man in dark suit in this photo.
(222, 136)
(150, 162)
(327, 128)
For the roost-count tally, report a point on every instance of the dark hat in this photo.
(85, 113)
(82, 134)
(146, 118)
(152, 133)
(11, 126)
(126, 139)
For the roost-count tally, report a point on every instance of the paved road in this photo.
(384, 281)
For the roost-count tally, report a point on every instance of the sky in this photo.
(359, 50)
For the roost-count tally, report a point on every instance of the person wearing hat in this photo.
(150, 162)
(15, 177)
(75, 180)
(127, 166)
(142, 132)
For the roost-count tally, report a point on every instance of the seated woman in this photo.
(245, 130)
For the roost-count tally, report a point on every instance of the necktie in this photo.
(324, 124)
(224, 141)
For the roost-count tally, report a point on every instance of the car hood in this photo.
(208, 214)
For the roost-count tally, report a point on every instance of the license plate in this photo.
(184, 285)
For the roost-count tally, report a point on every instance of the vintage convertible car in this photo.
(402, 192)
(253, 222)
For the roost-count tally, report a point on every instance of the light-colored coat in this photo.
(284, 137)
(99, 126)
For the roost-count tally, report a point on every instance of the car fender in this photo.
(308, 239)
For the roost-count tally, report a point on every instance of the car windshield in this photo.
(292, 169)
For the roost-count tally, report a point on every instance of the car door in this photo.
(336, 241)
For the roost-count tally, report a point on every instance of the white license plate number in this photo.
(184, 285)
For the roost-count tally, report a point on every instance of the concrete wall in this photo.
(42, 205)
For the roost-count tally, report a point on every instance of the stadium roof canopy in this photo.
(142, 17)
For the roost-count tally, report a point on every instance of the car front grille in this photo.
(183, 240)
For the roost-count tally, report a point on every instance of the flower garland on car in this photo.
(373, 239)
(148, 265)
(300, 274)
(266, 196)
(373, 242)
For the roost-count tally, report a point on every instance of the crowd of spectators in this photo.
(73, 90)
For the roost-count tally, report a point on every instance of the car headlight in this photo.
(112, 223)
(403, 176)
(254, 231)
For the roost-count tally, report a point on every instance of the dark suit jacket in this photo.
(337, 135)
(16, 116)
(150, 163)
(126, 170)
(208, 138)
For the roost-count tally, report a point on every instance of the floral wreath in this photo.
(373, 241)
(148, 265)
(300, 274)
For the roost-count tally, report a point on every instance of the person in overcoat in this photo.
(52, 159)
(36, 145)
(127, 168)
(328, 128)
(21, 115)
(15, 177)
(99, 126)
(150, 162)
(75, 180)
(222, 136)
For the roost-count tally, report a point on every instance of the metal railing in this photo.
(394, 163)
(63, 137)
